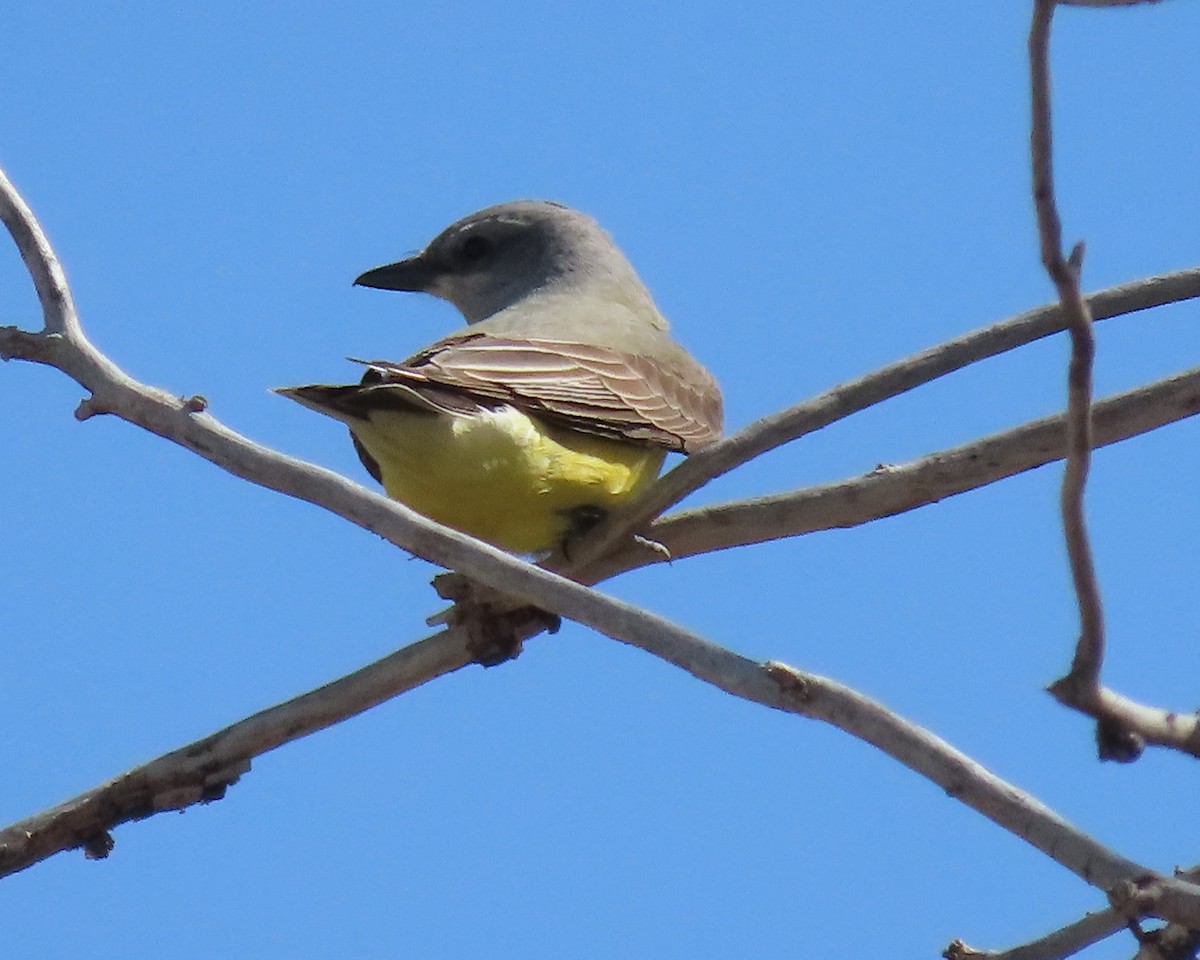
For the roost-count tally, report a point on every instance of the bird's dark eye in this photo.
(475, 248)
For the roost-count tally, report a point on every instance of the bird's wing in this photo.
(666, 401)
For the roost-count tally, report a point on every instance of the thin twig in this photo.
(49, 280)
(201, 771)
(1084, 678)
(1054, 946)
(1107, 3)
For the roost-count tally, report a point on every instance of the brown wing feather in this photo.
(673, 403)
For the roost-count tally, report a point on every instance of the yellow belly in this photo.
(502, 476)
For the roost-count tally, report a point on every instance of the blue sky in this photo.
(810, 191)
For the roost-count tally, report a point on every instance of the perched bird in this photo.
(554, 405)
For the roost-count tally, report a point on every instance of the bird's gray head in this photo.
(498, 256)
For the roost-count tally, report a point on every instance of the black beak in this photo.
(413, 274)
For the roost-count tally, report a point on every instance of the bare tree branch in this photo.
(1123, 727)
(894, 489)
(1131, 899)
(877, 494)
(1174, 940)
(966, 781)
(1054, 946)
(201, 771)
(1064, 272)
(58, 309)
(1121, 717)
(1107, 3)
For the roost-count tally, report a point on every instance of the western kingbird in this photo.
(555, 404)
